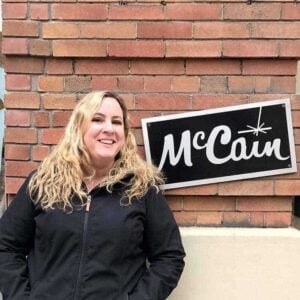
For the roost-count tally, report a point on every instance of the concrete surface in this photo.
(240, 264)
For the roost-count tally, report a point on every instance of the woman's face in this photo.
(105, 135)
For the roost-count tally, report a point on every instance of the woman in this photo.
(83, 225)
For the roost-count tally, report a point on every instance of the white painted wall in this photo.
(240, 264)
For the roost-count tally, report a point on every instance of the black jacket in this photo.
(95, 255)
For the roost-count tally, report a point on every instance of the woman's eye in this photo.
(118, 122)
(97, 120)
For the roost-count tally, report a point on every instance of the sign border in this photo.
(292, 169)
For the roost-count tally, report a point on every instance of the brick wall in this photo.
(163, 57)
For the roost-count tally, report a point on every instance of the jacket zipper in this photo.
(86, 218)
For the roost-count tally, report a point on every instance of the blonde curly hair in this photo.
(62, 172)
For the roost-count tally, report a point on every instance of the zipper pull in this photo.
(88, 203)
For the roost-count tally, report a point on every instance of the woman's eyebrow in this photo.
(103, 115)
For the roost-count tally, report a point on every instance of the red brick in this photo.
(296, 118)
(40, 47)
(22, 100)
(101, 66)
(158, 83)
(59, 101)
(264, 204)
(238, 84)
(28, 65)
(16, 152)
(13, 1)
(136, 116)
(186, 218)
(247, 188)
(113, 30)
(76, 11)
(213, 66)
(60, 118)
(213, 84)
(138, 136)
(157, 67)
(255, 11)
(51, 83)
(275, 30)
(18, 82)
(298, 153)
(269, 67)
(51, 136)
(136, 49)
(297, 136)
(221, 30)
(162, 102)
(162, 30)
(290, 11)
(56, 66)
(193, 49)
(77, 83)
(80, 48)
(209, 189)
(283, 85)
(175, 202)
(19, 169)
(40, 152)
(60, 30)
(289, 48)
(129, 101)
(39, 11)
(20, 28)
(250, 48)
(17, 118)
(104, 82)
(257, 219)
(267, 97)
(185, 84)
(292, 176)
(131, 83)
(215, 101)
(236, 219)
(12, 185)
(199, 11)
(20, 135)
(16, 46)
(41, 119)
(196, 203)
(14, 11)
(209, 218)
(287, 187)
(136, 12)
(262, 84)
(295, 101)
(278, 219)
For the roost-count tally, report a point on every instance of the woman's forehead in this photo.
(110, 106)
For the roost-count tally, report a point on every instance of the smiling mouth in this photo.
(106, 142)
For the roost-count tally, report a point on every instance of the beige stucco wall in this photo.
(240, 264)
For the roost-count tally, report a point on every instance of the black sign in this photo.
(225, 144)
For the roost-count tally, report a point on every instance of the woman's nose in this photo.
(108, 127)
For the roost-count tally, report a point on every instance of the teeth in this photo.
(107, 141)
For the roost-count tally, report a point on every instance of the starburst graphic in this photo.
(259, 127)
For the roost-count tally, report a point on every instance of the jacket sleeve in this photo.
(16, 238)
(164, 250)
